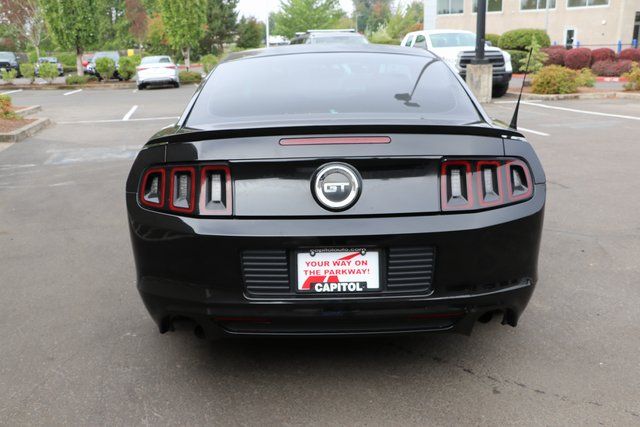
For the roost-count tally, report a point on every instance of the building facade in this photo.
(592, 23)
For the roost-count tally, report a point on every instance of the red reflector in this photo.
(173, 67)
(336, 140)
(141, 68)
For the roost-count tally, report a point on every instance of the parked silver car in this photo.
(157, 70)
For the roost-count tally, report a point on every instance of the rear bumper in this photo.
(190, 268)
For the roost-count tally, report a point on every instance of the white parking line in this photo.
(130, 113)
(535, 132)
(81, 122)
(72, 92)
(11, 91)
(573, 110)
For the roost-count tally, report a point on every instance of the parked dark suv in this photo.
(10, 61)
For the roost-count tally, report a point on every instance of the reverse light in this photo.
(215, 190)
(479, 184)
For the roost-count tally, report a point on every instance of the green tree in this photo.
(157, 42)
(184, 21)
(222, 17)
(250, 33)
(303, 15)
(538, 57)
(73, 24)
(371, 14)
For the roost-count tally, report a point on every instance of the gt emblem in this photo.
(336, 186)
(332, 188)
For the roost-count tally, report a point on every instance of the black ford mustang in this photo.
(335, 190)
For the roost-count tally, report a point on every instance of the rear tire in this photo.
(499, 90)
(140, 86)
(176, 84)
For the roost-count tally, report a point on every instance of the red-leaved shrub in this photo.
(602, 54)
(555, 55)
(611, 68)
(630, 54)
(578, 58)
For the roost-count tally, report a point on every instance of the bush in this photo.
(208, 62)
(6, 110)
(516, 58)
(633, 77)
(28, 71)
(578, 58)
(105, 67)
(187, 77)
(126, 67)
(9, 75)
(520, 39)
(554, 79)
(493, 38)
(48, 71)
(80, 80)
(630, 54)
(537, 59)
(602, 54)
(381, 36)
(555, 55)
(67, 59)
(585, 78)
(611, 68)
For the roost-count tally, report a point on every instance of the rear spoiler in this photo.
(176, 134)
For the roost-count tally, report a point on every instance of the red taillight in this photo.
(182, 192)
(208, 184)
(141, 68)
(478, 184)
(173, 67)
(152, 188)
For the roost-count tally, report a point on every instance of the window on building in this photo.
(585, 3)
(537, 4)
(447, 7)
(492, 6)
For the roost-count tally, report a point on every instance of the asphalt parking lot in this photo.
(78, 347)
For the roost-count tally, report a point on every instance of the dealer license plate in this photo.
(352, 270)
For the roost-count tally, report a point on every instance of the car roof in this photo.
(300, 49)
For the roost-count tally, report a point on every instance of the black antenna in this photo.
(514, 119)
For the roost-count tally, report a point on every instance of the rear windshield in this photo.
(332, 86)
(453, 39)
(156, 60)
(340, 40)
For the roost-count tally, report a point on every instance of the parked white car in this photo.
(157, 70)
(457, 48)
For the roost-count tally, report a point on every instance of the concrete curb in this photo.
(25, 131)
(589, 95)
(27, 111)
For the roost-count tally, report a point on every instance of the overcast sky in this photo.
(261, 8)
